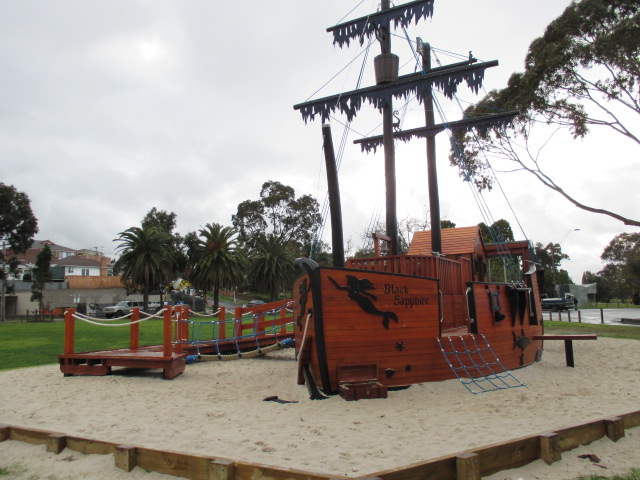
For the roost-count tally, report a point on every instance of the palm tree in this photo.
(147, 258)
(271, 265)
(216, 261)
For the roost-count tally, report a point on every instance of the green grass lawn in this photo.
(611, 331)
(31, 344)
(40, 343)
(634, 474)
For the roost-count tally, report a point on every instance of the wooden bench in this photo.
(568, 343)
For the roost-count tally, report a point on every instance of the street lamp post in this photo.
(4, 280)
(553, 255)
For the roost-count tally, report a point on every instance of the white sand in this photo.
(217, 409)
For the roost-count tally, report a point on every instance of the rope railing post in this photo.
(601, 315)
(134, 330)
(182, 326)
(69, 331)
(166, 330)
(222, 324)
(237, 326)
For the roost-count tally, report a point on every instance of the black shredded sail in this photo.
(366, 27)
(480, 124)
(349, 103)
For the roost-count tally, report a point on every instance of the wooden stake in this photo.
(550, 448)
(468, 466)
(125, 457)
(615, 428)
(56, 442)
(221, 470)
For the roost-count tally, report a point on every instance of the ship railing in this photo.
(448, 271)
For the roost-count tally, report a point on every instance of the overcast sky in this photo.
(110, 108)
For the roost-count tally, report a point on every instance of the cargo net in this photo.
(476, 365)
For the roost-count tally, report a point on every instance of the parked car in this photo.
(253, 303)
(558, 304)
(121, 309)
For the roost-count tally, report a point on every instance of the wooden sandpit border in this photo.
(467, 465)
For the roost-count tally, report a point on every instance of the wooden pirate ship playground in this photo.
(369, 325)
(429, 314)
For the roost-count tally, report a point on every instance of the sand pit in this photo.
(217, 409)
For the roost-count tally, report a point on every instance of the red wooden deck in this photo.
(101, 362)
(170, 357)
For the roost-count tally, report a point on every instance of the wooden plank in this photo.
(566, 337)
(550, 447)
(4, 432)
(573, 437)
(265, 472)
(443, 468)
(174, 463)
(125, 457)
(631, 419)
(512, 454)
(88, 446)
(29, 435)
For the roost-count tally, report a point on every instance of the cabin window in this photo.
(69, 269)
(85, 272)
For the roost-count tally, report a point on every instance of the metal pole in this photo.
(432, 173)
(4, 281)
(389, 153)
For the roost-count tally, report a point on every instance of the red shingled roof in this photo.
(455, 241)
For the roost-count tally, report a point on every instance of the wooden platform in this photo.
(152, 357)
(101, 362)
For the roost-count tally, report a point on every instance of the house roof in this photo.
(75, 261)
(39, 244)
(455, 241)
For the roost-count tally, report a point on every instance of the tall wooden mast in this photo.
(432, 171)
(387, 134)
(389, 85)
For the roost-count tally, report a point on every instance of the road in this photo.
(612, 316)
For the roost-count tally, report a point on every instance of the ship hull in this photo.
(386, 329)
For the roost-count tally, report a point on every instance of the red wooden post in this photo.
(222, 326)
(185, 325)
(69, 331)
(167, 331)
(182, 326)
(134, 329)
(176, 321)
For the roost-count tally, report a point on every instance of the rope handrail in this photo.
(191, 312)
(101, 323)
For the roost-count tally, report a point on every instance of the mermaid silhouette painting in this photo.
(358, 292)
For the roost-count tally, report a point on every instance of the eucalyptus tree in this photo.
(147, 258)
(278, 212)
(271, 269)
(216, 261)
(623, 255)
(582, 73)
